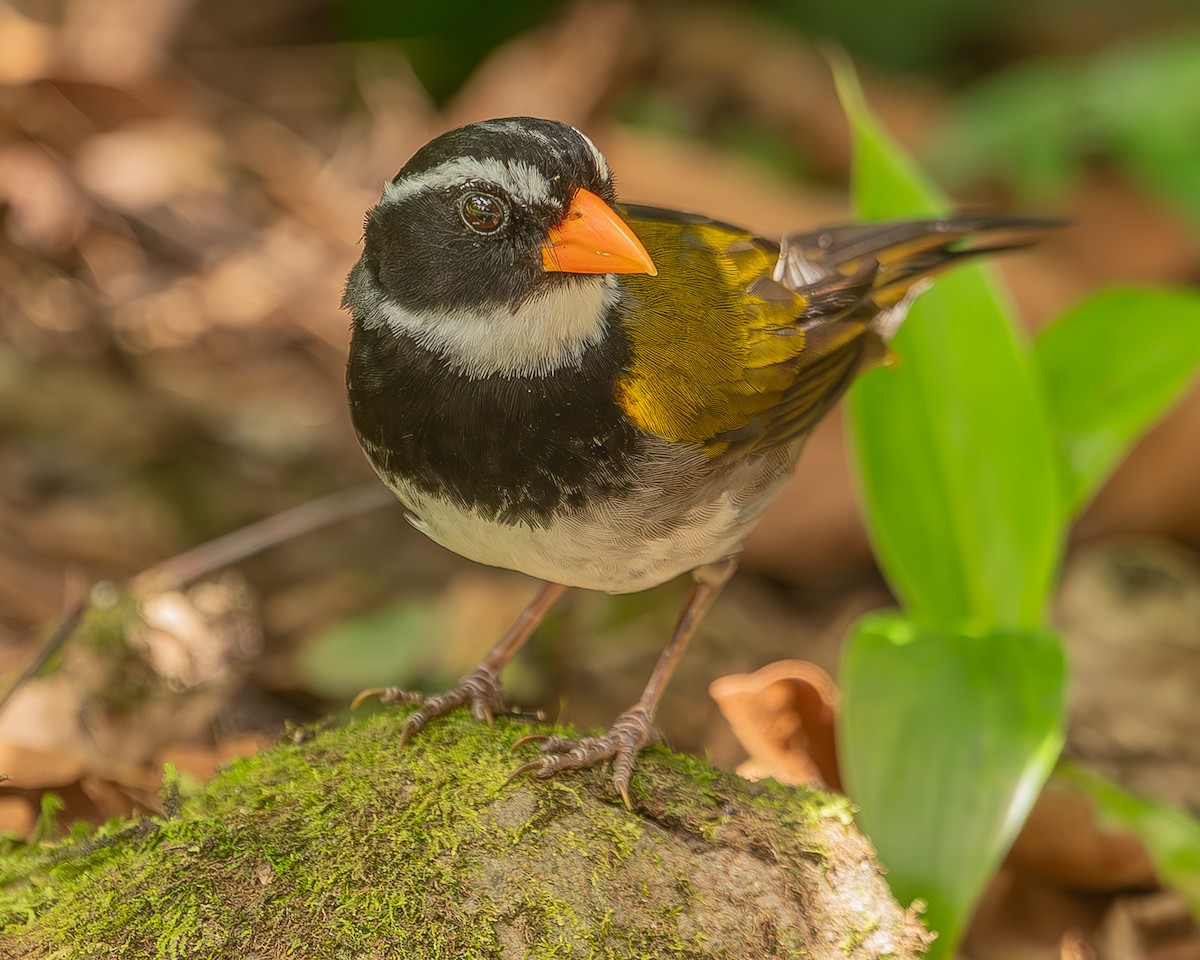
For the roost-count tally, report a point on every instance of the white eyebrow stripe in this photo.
(597, 156)
(502, 126)
(522, 180)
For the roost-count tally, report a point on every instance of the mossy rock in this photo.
(342, 846)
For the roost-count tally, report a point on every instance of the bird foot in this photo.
(621, 744)
(479, 690)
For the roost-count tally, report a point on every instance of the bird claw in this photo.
(621, 744)
(530, 738)
(386, 695)
(480, 691)
(523, 769)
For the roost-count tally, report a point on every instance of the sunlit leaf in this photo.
(1112, 365)
(958, 467)
(946, 740)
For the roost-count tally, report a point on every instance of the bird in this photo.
(603, 395)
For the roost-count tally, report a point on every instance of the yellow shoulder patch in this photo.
(708, 355)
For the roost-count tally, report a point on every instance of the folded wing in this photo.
(765, 337)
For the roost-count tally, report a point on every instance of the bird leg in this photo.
(479, 689)
(632, 730)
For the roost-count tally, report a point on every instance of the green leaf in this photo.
(1171, 835)
(46, 827)
(1112, 365)
(1040, 123)
(1144, 98)
(1023, 123)
(946, 740)
(958, 467)
(389, 645)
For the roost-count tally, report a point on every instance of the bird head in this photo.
(487, 221)
(496, 209)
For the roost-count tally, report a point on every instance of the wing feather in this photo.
(766, 337)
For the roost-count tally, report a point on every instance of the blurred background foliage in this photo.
(1037, 103)
(182, 185)
(942, 39)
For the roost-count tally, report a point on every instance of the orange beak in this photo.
(593, 239)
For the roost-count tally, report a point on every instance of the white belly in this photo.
(622, 547)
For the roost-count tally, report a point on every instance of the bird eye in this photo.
(482, 213)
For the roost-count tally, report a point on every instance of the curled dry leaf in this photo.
(784, 716)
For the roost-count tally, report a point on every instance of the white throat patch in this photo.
(540, 336)
(547, 332)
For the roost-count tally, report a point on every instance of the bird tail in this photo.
(870, 273)
(899, 255)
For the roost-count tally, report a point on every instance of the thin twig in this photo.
(200, 561)
(60, 635)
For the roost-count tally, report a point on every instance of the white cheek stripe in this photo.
(522, 180)
(538, 337)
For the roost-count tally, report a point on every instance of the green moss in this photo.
(343, 846)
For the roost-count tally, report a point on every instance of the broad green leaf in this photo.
(957, 464)
(946, 740)
(1111, 366)
(1171, 835)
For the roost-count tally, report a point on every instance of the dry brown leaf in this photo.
(48, 213)
(199, 638)
(26, 47)
(17, 815)
(31, 768)
(41, 723)
(784, 716)
(117, 42)
(1062, 843)
(146, 164)
(90, 730)
(129, 791)
(1156, 926)
(202, 760)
